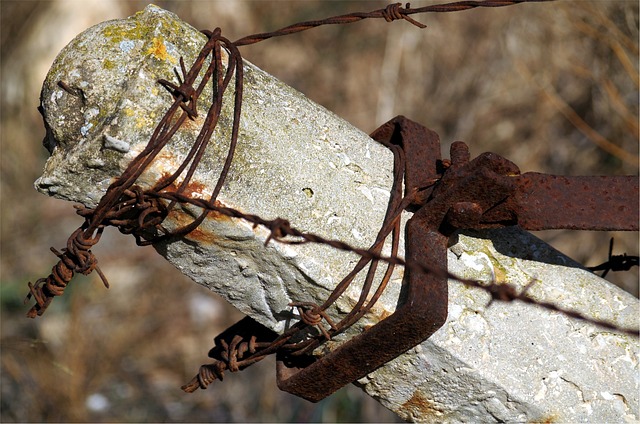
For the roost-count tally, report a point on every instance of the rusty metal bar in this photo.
(577, 203)
(446, 196)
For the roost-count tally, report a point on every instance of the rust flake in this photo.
(420, 407)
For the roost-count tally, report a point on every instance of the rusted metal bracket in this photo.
(486, 192)
(426, 307)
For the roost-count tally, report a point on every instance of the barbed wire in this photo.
(141, 212)
(390, 13)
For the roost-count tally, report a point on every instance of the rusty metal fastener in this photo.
(486, 192)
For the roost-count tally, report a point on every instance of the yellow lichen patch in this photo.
(142, 122)
(117, 33)
(499, 272)
(159, 50)
(108, 64)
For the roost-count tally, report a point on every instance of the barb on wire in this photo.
(141, 212)
(75, 258)
(390, 13)
(500, 292)
(116, 207)
(616, 262)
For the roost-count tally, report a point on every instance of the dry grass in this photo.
(554, 87)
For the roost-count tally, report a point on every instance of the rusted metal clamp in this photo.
(486, 192)
(465, 191)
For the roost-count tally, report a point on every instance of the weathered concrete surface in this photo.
(515, 362)
(506, 362)
(117, 64)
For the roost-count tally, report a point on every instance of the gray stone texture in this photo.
(501, 362)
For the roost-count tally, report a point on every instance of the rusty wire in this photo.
(75, 258)
(124, 205)
(134, 210)
(143, 218)
(280, 229)
(390, 13)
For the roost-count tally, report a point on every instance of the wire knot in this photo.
(232, 356)
(207, 374)
(279, 228)
(185, 93)
(233, 353)
(311, 314)
(395, 12)
(75, 258)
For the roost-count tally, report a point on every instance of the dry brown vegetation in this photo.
(551, 86)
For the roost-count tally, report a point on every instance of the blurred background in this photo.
(551, 86)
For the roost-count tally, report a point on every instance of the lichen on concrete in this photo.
(294, 160)
(504, 362)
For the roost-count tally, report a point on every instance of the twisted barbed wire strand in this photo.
(116, 202)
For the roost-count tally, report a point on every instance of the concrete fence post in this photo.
(500, 362)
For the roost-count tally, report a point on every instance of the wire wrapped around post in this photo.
(141, 212)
